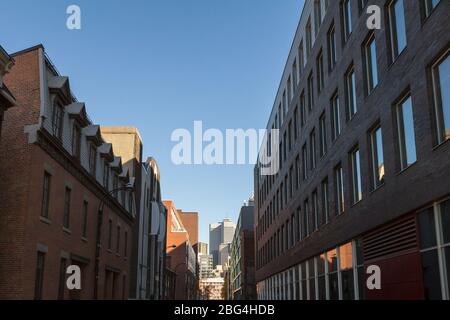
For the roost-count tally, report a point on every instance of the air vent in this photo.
(394, 239)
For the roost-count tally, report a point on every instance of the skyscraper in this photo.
(220, 233)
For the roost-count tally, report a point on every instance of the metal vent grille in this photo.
(394, 239)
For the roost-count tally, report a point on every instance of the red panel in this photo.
(401, 279)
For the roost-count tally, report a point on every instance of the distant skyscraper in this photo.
(202, 248)
(220, 233)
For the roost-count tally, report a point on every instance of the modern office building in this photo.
(220, 235)
(7, 100)
(65, 197)
(364, 120)
(202, 248)
(205, 266)
(181, 260)
(241, 269)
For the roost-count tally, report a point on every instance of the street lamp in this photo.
(128, 187)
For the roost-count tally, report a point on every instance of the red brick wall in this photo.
(21, 227)
(15, 162)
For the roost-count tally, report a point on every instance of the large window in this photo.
(325, 202)
(46, 195)
(434, 224)
(308, 38)
(350, 86)
(312, 149)
(332, 58)
(429, 6)
(346, 269)
(310, 91)
(39, 277)
(57, 120)
(317, 16)
(320, 73)
(333, 278)
(397, 27)
(85, 219)
(322, 135)
(66, 217)
(335, 117)
(377, 158)
(405, 131)
(76, 141)
(339, 189)
(346, 19)
(356, 176)
(371, 67)
(441, 90)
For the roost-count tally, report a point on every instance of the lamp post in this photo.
(99, 234)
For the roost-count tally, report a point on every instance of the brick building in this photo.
(6, 98)
(56, 173)
(181, 256)
(364, 120)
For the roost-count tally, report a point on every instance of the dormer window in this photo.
(106, 176)
(57, 120)
(76, 141)
(92, 159)
(115, 184)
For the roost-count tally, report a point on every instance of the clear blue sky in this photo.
(161, 64)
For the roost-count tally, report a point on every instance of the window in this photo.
(434, 227)
(291, 184)
(335, 117)
(294, 76)
(66, 218)
(76, 141)
(285, 105)
(290, 135)
(350, 85)
(346, 269)
(333, 278)
(310, 91)
(109, 234)
(322, 135)
(356, 175)
(312, 279)
(296, 123)
(303, 108)
(62, 278)
(305, 162)
(315, 210)
(85, 219)
(320, 75)
(115, 185)
(430, 5)
(405, 131)
(332, 58)
(325, 202)
(39, 280)
(280, 119)
(362, 5)
(57, 120)
(118, 240)
(308, 38)
(106, 176)
(305, 224)
(377, 159)
(92, 159)
(125, 246)
(289, 90)
(301, 57)
(130, 202)
(317, 16)
(441, 90)
(312, 149)
(346, 19)
(339, 187)
(297, 173)
(46, 195)
(397, 28)
(370, 53)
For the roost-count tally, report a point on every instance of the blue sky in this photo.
(160, 65)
